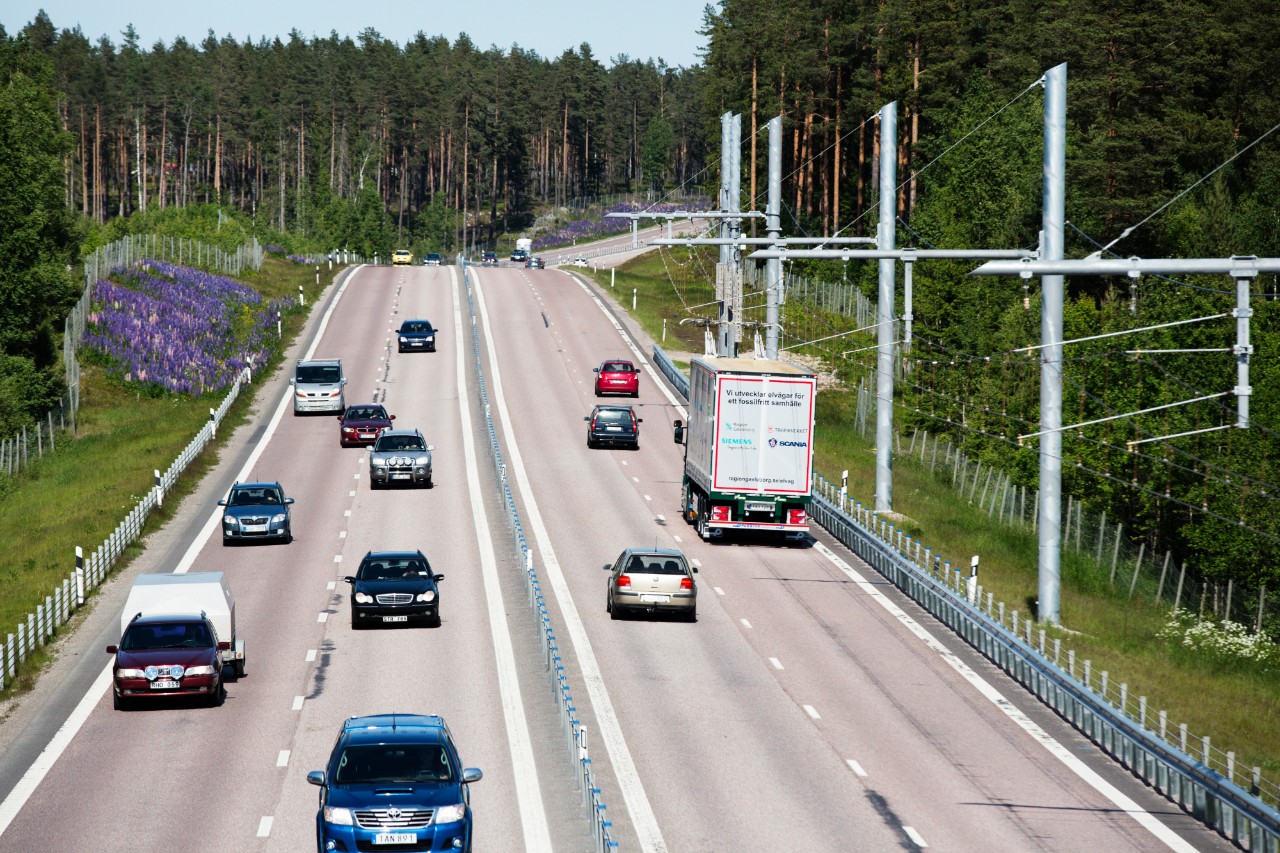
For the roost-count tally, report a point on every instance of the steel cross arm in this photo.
(907, 255)
(1237, 267)
(757, 241)
(688, 214)
(1133, 331)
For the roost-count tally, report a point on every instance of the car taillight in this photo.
(635, 425)
(624, 580)
(686, 583)
(593, 422)
(720, 512)
(795, 516)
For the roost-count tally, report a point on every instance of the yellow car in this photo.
(401, 257)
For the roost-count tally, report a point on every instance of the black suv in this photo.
(394, 586)
(613, 425)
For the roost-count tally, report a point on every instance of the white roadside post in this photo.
(159, 488)
(973, 580)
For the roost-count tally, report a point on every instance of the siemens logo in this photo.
(773, 442)
(737, 441)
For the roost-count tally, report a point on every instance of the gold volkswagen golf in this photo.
(652, 580)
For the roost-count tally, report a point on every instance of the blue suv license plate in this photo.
(394, 838)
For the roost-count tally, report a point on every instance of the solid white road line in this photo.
(633, 793)
(1166, 835)
(49, 755)
(533, 817)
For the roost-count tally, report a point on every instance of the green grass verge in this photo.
(1235, 703)
(80, 492)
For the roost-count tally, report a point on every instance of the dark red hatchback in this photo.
(362, 424)
(617, 377)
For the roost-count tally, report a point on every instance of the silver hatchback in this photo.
(400, 456)
(652, 580)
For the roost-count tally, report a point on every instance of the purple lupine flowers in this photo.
(178, 328)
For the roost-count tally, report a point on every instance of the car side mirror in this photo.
(111, 650)
(222, 502)
(391, 417)
(341, 418)
(586, 417)
(223, 646)
(430, 447)
(344, 380)
(369, 448)
(349, 578)
(316, 777)
(639, 420)
(290, 381)
(595, 370)
(288, 501)
(608, 567)
(438, 577)
(678, 434)
(471, 774)
(693, 569)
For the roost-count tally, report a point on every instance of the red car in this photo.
(617, 377)
(362, 424)
(166, 656)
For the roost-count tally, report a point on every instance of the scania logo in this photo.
(773, 442)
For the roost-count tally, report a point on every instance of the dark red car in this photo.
(617, 377)
(165, 656)
(362, 424)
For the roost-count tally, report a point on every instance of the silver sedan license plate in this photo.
(656, 599)
(395, 618)
(394, 838)
(399, 476)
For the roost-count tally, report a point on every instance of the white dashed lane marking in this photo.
(812, 712)
(777, 664)
(282, 760)
(331, 585)
(915, 837)
(264, 826)
(297, 702)
(311, 655)
(323, 617)
(856, 767)
(718, 590)
(745, 623)
(337, 558)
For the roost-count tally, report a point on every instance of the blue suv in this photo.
(394, 782)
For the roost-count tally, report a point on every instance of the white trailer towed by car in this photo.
(189, 594)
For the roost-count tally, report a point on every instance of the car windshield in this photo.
(617, 367)
(614, 416)
(392, 568)
(656, 564)
(167, 635)
(433, 256)
(318, 373)
(254, 497)
(400, 442)
(366, 413)
(415, 326)
(398, 762)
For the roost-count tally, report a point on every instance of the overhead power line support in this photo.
(1051, 248)
(885, 307)
(773, 223)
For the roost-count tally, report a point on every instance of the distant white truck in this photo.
(524, 246)
(189, 594)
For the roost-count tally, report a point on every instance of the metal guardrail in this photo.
(1238, 814)
(41, 625)
(575, 732)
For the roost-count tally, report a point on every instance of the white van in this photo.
(318, 386)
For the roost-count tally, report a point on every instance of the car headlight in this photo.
(364, 598)
(338, 816)
(422, 460)
(200, 670)
(403, 339)
(378, 463)
(278, 518)
(130, 673)
(348, 429)
(335, 393)
(429, 595)
(451, 814)
(228, 519)
(430, 338)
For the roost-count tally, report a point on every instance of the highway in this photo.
(810, 707)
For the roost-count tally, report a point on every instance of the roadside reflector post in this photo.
(79, 576)
(664, 330)
(844, 488)
(159, 488)
(213, 424)
(633, 298)
(613, 274)
(279, 326)
(302, 297)
(973, 578)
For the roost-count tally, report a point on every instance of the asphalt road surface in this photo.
(808, 708)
